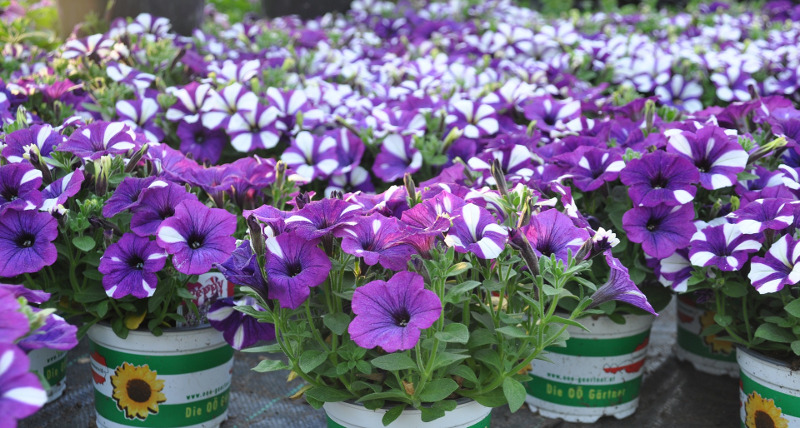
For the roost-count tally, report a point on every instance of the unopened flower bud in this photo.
(411, 189)
(499, 177)
(256, 236)
(585, 250)
(134, 160)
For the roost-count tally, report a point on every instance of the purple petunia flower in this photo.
(377, 239)
(139, 115)
(203, 144)
(58, 192)
(312, 157)
(779, 268)
(723, 246)
(253, 129)
(591, 167)
(32, 296)
(661, 230)
(157, 203)
(239, 329)
(242, 268)
(294, 265)
(19, 143)
(21, 392)
(476, 231)
(190, 100)
(660, 178)
(717, 157)
(19, 187)
(476, 120)
(763, 214)
(620, 287)
(219, 106)
(392, 314)
(550, 113)
(197, 237)
(99, 139)
(26, 242)
(553, 233)
(13, 324)
(56, 333)
(126, 196)
(129, 267)
(128, 75)
(321, 218)
(674, 271)
(396, 158)
(680, 93)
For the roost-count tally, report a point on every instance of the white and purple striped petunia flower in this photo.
(293, 266)
(550, 113)
(129, 267)
(128, 75)
(197, 237)
(620, 287)
(19, 144)
(674, 271)
(680, 93)
(312, 157)
(322, 218)
(56, 333)
(155, 204)
(475, 230)
(391, 314)
(19, 187)
(552, 233)
(21, 392)
(764, 214)
(239, 329)
(660, 178)
(723, 246)
(190, 100)
(220, 106)
(139, 115)
(98, 139)
(396, 158)
(779, 268)
(253, 128)
(96, 47)
(591, 167)
(377, 239)
(476, 120)
(404, 122)
(58, 192)
(718, 158)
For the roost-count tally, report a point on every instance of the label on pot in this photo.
(591, 372)
(484, 423)
(692, 320)
(208, 288)
(161, 390)
(761, 406)
(50, 365)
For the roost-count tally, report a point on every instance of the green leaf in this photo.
(481, 337)
(91, 294)
(311, 359)
(773, 333)
(431, 413)
(444, 359)
(796, 347)
(734, 289)
(84, 243)
(513, 331)
(438, 389)
(465, 372)
(327, 394)
(336, 322)
(458, 269)
(493, 398)
(363, 367)
(723, 320)
(392, 414)
(266, 348)
(394, 362)
(455, 332)
(514, 393)
(270, 366)
(793, 308)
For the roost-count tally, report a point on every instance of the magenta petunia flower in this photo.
(197, 237)
(392, 314)
(780, 266)
(377, 239)
(723, 246)
(99, 139)
(157, 203)
(58, 192)
(553, 233)
(19, 187)
(294, 265)
(26, 242)
(475, 230)
(324, 217)
(129, 267)
(716, 156)
(13, 324)
(660, 178)
(239, 329)
(620, 287)
(661, 230)
(21, 392)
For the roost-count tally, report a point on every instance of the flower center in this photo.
(136, 262)
(658, 182)
(653, 223)
(704, 165)
(199, 138)
(26, 240)
(763, 420)
(195, 241)
(294, 269)
(402, 317)
(9, 194)
(138, 390)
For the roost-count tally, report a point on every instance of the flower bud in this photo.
(499, 177)
(134, 160)
(256, 236)
(411, 189)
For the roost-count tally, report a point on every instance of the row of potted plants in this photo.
(507, 217)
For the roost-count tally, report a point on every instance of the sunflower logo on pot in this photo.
(137, 391)
(762, 413)
(717, 346)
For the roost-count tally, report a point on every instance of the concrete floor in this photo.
(674, 394)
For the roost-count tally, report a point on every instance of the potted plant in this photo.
(107, 224)
(431, 314)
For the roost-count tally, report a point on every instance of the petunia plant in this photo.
(417, 297)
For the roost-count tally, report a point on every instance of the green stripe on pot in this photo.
(166, 364)
(695, 344)
(56, 372)
(567, 394)
(176, 415)
(484, 423)
(788, 404)
(601, 347)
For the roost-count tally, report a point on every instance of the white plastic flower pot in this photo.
(52, 366)
(597, 374)
(348, 415)
(179, 379)
(770, 392)
(706, 353)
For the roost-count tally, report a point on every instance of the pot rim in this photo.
(761, 357)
